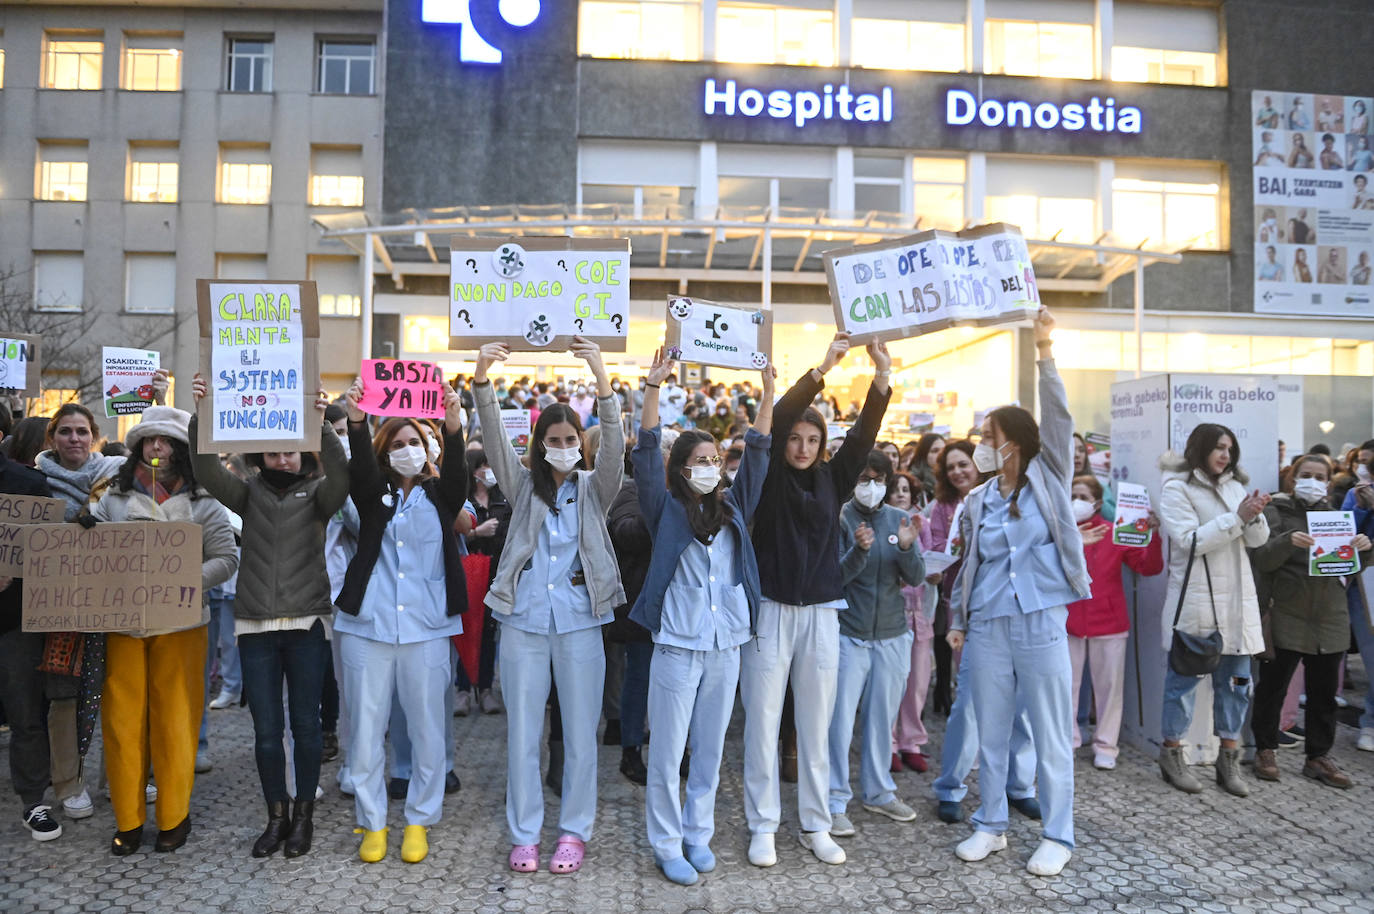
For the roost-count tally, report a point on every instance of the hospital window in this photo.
(903, 35)
(153, 173)
(245, 174)
(62, 172)
(249, 65)
(877, 184)
(346, 67)
(1051, 49)
(152, 63)
(337, 281)
(1150, 205)
(640, 29)
(1159, 43)
(72, 61)
(1154, 65)
(939, 192)
(792, 34)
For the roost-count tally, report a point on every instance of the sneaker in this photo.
(462, 704)
(150, 793)
(1289, 740)
(41, 825)
(978, 845)
(203, 763)
(79, 806)
(823, 846)
(896, 810)
(840, 825)
(1366, 742)
(329, 746)
(1049, 859)
(1324, 769)
(225, 700)
(761, 850)
(1341, 702)
(1104, 762)
(950, 811)
(488, 702)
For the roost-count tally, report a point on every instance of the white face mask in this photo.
(581, 391)
(432, 447)
(1082, 510)
(730, 474)
(408, 461)
(987, 459)
(704, 479)
(563, 459)
(487, 476)
(1362, 472)
(870, 494)
(348, 450)
(1310, 490)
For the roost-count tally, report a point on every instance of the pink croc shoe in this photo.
(567, 857)
(524, 858)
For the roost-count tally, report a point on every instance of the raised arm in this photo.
(505, 463)
(848, 461)
(333, 490)
(453, 472)
(1056, 425)
(609, 472)
(227, 488)
(747, 489)
(364, 473)
(789, 408)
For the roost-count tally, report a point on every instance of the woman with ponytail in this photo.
(700, 601)
(1023, 564)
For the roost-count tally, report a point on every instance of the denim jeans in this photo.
(634, 692)
(222, 640)
(1231, 690)
(1364, 639)
(21, 691)
(298, 657)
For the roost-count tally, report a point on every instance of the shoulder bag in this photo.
(1195, 655)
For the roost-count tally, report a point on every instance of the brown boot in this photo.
(1266, 765)
(1324, 770)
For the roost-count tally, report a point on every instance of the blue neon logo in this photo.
(472, 47)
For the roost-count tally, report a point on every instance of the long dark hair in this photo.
(706, 514)
(1018, 426)
(944, 490)
(541, 474)
(180, 465)
(27, 439)
(923, 447)
(1201, 443)
(381, 446)
(813, 416)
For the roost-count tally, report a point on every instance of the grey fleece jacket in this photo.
(873, 578)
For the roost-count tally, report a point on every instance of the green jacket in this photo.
(873, 577)
(1306, 614)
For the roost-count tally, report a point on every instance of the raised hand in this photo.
(877, 351)
(486, 356)
(161, 383)
(660, 368)
(863, 537)
(199, 388)
(1044, 323)
(453, 410)
(352, 397)
(838, 347)
(907, 532)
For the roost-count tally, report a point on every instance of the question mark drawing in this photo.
(617, 319)
(466, 316)
(472, 262)
(578, 322)
(564, 265)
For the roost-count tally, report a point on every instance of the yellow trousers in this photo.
(153, 700)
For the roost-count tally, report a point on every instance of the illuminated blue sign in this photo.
(830, 104)
(472, 47)
(963, 108)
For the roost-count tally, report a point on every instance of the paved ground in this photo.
(1292, 847)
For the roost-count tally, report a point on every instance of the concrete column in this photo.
(842, 189)
(975, 186)
(1103, 32)
(973, 36)
(844, 18)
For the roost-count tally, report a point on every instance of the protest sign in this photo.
(930, 281)
(937, 562)
(402, 387)
(17, 511)
(129, 577)
(259, 351)
(1332, 555)
(1132, 524)
(127, 379)
(710, 333)
(21, 367)
(535, 294)
(516, 424)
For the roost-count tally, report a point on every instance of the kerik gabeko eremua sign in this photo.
(831, 102)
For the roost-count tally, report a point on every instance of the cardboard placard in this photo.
(127, 379)
(402, 387)
(1332, 555)
(536, 294)
(709, 333)
(930, 281)
(1131, 526)
(128, 577)
(515, 423)
(16, 512)
(21, 363)
(259, 352)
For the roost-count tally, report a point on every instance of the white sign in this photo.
(17, 353)
(127, 379)
(1132, 524)
(515, 423)
(1332, 555)
(931, 281)
(830, 103)
(1314, 207)
(963, 108)
(710, 333)
(1246, 404)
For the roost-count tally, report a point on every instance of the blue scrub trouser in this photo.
(1023, 661)
(689, 691)
(400, 736)
(960, 748)
(1364, 640)
(419, 674)
(871, 682)
(578, 663)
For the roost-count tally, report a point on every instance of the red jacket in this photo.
(1104, 613)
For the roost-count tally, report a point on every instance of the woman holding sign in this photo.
(155, 680)
(401, 603)
(558, 583)
(282, 608)
(1309, 624)
(797, 541)
(1023, 565)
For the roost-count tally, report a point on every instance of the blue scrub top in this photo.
(1019, 569)
(546, 599)
(705, 607)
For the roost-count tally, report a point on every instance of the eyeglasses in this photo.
(707, 461)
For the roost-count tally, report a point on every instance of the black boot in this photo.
(554, 779)
(125, 843)
(632, 766)
(302, 829)
(278, 825)
(173, 838)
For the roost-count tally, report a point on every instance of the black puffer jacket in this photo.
(633, 549)
(281, 569)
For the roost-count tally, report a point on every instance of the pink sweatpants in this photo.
(1107, 658)
(909, 733)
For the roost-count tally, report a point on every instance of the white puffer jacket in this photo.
(1191, 504)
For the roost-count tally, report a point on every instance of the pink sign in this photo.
(403, 387)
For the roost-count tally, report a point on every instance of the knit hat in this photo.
(167, 421)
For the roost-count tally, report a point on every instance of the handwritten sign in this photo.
(1332, 555)
(20, 366)
(402, 387)
(17, 511)
(709, 333)
(260, 352)
(1132, 524)
(111, 578)
(127, 378)
(516, 425)
(538, 293)
(930, 281)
